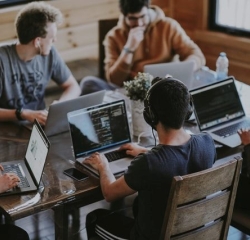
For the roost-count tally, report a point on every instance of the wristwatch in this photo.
(18, 113)
(127, 50)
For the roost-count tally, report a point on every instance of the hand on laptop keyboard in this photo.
(232, 129)
(115, 155)
(7, 180)
(244, 136)
(133, 149)
(97, 161)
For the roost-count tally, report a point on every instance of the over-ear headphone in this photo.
(150, 114)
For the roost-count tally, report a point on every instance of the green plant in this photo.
(137, 88)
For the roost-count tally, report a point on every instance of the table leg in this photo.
(61, 223)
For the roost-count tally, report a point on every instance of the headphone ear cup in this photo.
(190, 108)
(148, 115)
(154, 118)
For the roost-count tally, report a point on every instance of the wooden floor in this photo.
(41, 226)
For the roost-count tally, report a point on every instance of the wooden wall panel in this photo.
(193, 16)
(78, 35)
(165, 5)
(237, 49)
(186, 13)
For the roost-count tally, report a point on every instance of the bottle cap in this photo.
(223, 54)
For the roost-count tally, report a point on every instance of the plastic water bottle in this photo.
(222, 64)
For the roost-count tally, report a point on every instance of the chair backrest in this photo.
(200, 205)
(104, 25)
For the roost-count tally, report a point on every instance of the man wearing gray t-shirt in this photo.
(27, 66)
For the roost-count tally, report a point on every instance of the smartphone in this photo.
(75, 174)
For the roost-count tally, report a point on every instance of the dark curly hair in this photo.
(32, 20)
(132, 6)
(169, 101)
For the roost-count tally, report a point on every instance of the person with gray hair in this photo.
(26, 67)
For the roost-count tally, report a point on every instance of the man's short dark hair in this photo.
(132, 6)
(32, 20)
(170, 101)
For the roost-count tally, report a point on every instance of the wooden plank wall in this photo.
(78, 36)
(193, 16)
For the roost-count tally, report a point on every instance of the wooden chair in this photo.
(200, 205)
(104, 25)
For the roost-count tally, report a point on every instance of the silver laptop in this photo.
(57, 117)
(219, 111)
(30, 168)
(183, 71)
(102, 128)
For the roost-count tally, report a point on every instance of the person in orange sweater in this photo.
(143, 35)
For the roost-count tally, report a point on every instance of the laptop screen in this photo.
(186, 75)
(217, 104)
(98, 128)
(37, 151)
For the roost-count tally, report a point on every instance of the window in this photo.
(230, 16)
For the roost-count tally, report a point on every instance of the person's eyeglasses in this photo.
(135, 19)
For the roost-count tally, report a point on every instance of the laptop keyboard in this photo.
(14, 168)
(115, 155)
(232, 129)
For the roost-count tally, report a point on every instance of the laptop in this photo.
(57, 116)
(30, 168)
(183, 71)
(102, 128)
(219, 111)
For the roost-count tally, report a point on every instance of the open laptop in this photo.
(183, 71)
(30, 168)
(57, 116)
(102, 128)
(219, 111)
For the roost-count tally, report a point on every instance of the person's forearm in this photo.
(7, 114)
(70, 92)
(120, 70)
(106, 179)
(198, 60)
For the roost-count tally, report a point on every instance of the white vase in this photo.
(140, 127)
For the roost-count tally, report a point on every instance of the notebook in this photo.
(102, 128)
(57, 116)
(219, 111)
(183, 71)
(30, 168)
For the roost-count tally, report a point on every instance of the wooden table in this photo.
(61, 193)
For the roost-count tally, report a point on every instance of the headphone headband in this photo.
(150, 114)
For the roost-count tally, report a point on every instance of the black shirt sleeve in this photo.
(137, 175)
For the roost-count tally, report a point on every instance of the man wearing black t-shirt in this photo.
(167, 105)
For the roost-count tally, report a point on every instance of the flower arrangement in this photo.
(137, 88)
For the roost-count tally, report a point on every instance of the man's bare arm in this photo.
(27, 114)
(112, 189)
(71, 89)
